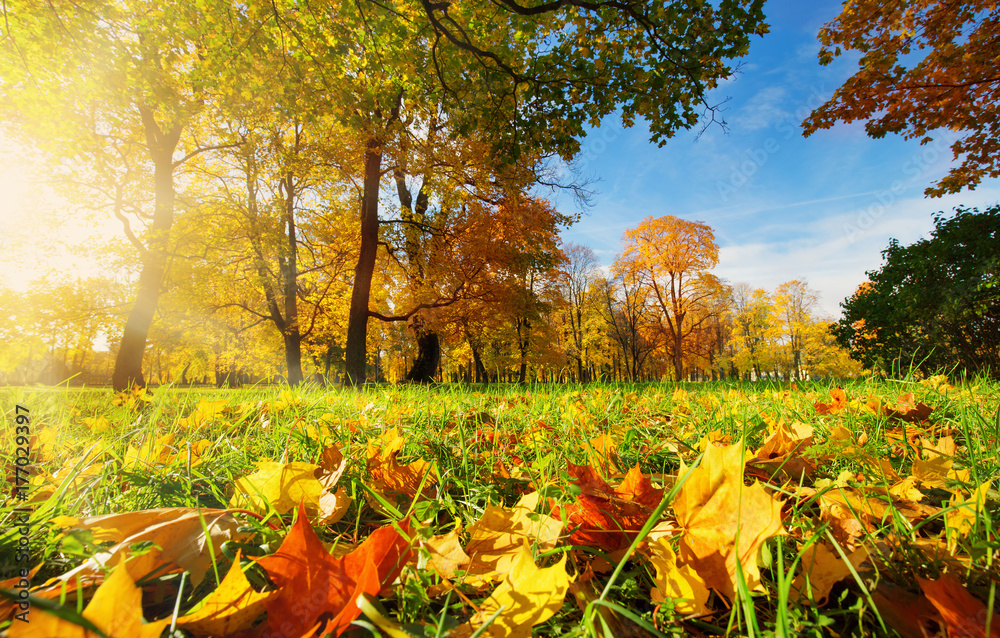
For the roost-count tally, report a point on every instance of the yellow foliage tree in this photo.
(671, 257)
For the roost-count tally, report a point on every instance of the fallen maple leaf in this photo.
(446, 554)
(680, 583)
(959, 521)
(395, 482)
(934, 467)
(528, 596)
(964, 615)
(723, 521)
(316, 590)
(496, 538)
(115, 609)
(838, 403)
(605, 517)
(280, 485)
(602, 453)
(907, 410)
(911, 615)
(176, 537)
(824, 568)
(783, 451)
(231, 607)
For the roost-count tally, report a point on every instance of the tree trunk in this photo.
(128, 363)
(428, 357)
(477, 360)
(290, 287)
(678, 355)
(293, 355)
(357, 322)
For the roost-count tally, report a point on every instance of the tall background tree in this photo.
(670, 258)
(119, 89)
(530, 78)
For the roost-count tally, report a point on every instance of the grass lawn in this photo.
(618, 510)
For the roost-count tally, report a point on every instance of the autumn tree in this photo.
(926, 67)
(753, 315)
(670, 258)
(119, 89)
(796, 305)
(627, 315)
(528, 77)
(272, 214)
(462, 222)
(578, 276)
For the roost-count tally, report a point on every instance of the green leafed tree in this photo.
(528, 77)
(934, 304)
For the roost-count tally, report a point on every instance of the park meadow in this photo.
(508, 510)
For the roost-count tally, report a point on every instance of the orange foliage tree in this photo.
(671, 257)
(925, 65)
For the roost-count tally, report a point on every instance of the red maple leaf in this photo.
(605, 517)
(317, 590)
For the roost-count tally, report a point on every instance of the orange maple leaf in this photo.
(317, 591)
(963, 614)
(724, 521)
(605, 517)
(393, 481)
(907, 410)
(837, 404)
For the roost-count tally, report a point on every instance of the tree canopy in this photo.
(934, 304)
(926, 67)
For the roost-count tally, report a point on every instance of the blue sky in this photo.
(782, 206)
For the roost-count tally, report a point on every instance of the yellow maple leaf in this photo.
(723, 521)
(446, 554)
(282, 485)
(824, 567)
(680, 583)
(232, 607)
(496, 538)
(115, 609)
(602, 455)
(528, 596)
(960, 520)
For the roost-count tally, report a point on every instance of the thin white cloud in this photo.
(762, 110)
(832, 253)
